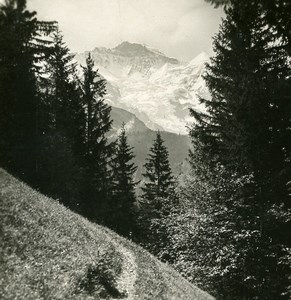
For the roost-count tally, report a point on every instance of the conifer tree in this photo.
(62, 116)
(61, 86)
(22, 47)
(246, 131)
(97, 149)
(62, 108)
(157, 200)
(158, 175)
(123, 170)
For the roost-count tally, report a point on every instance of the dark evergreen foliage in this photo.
(61, 123)
(158, 178)
(22, 48)
(123, 186)
(156, 200)
(97, 150)
(246, 130)
(276, 13)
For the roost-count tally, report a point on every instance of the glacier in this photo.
(157, 89)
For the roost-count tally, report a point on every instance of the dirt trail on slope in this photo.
(128, 275)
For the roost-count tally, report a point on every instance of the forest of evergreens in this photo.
(225, 224)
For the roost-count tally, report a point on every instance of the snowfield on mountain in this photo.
(159, 90)
(49, 252)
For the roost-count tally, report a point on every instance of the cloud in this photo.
(180, 28)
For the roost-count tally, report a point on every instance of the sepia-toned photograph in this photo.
(145, 149)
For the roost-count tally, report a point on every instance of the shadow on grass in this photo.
(99, 281)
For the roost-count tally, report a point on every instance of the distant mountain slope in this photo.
(48, 252)
(141, 138)
(159, 90)
(132, 123)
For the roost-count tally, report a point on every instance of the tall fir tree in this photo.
(247, 130)
(158, 178)
(97, 149)
(61, 86)
(22, 48)
(61, 124)
(156, 201)
(123, 186)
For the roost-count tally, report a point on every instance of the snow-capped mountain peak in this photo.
(127, 59)
(158, 89)
(133, 49)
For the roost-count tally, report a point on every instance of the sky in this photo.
(178, 28)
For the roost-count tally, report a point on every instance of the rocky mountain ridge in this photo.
(159, 90)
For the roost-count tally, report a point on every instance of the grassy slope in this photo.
(48, 252)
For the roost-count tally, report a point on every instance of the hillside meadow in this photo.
(49, 252)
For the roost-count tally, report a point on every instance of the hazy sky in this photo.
(179, 28)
